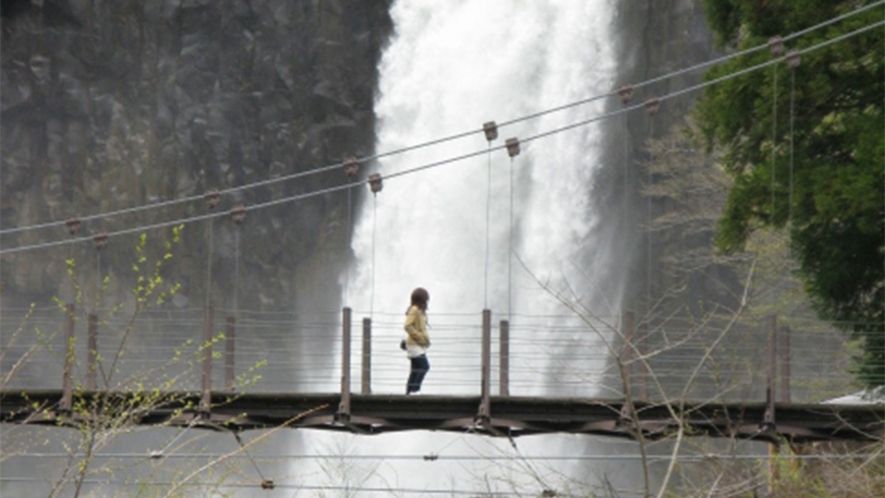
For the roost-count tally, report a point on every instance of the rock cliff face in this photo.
(109, 105)
(656, 38)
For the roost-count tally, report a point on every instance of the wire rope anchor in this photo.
(73, 225)
(238, 214)
(375, 182)
(794, 58)
(652, 106)
(626, 93)
(512, 145)
(101, 240)
(491, 130)
(351, 167)
(212, 198)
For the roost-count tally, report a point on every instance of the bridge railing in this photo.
(255, 351)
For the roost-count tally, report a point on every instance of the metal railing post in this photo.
(784, 353)
(367, 357)
(344, 406)
(229, 353)
(484, 414)
(67, 381)
(504, 361)
(642, 346)
(92, 354)
(206, 397)
(627, 351)
(769, 422)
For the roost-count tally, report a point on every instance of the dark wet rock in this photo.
(112, 105)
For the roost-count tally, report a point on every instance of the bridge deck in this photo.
(509, 416)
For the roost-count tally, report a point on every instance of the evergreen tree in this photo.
(806, 149)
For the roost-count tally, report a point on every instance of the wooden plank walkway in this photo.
(505, 416)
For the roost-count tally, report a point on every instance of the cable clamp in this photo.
(491, 130)
(794, 58)
(776, 44)
(512, 147)
(351, 167)
(238, 213)
(73, 225)
(101, 240)
(626, 93)
(375, 182)
(212, 197)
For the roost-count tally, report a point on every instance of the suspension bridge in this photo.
(165, 374)
(498, 391)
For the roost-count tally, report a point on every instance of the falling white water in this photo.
(451, 66)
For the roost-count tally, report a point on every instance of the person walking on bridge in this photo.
(417, 340)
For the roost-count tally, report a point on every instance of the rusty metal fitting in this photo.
(73, 225)
(101, 240)
(491, 130)
(212, 197)
(375, 182)
(652, 106)
(512, 147)
(626, 93)
(238, 213)
(794, 58)
(351, 167)
(776, 45)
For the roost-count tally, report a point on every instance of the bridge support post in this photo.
(343, 414)
(769, 422)
(642, 346)
(485, 412)
(229, 352)
(92, 353)
(206, 384)
(784, 353)
(504, 360)
(627, 351)
(67, 381)
(366, 378)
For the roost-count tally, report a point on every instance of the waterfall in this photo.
(451, 66)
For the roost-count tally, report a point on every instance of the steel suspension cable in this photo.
(456, 136)
(454, 158)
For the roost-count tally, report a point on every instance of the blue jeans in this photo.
(420, 366)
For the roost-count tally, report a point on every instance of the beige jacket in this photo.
(417, 340)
